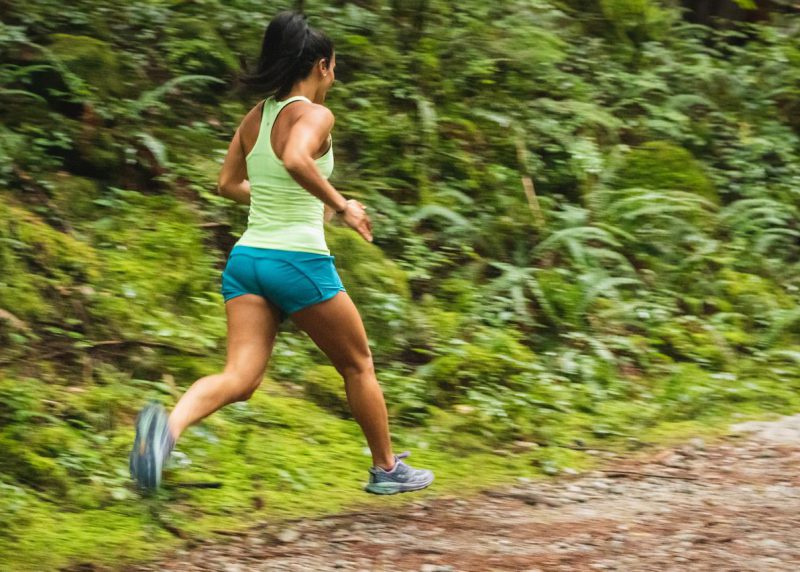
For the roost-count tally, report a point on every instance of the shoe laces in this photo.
(397, 459)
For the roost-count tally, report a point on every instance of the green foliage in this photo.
(490, 361)
(92, 60)
(662, 165)
(376, 284)
(325, 386)
(194, 46)
(586, 224)
(637, 20)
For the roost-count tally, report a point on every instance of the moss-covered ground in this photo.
(280, 457)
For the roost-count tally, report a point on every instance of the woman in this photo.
(279, 162)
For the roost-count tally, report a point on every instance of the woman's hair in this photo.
(288, 52)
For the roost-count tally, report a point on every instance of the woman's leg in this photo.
(252, 326)
(336, 328)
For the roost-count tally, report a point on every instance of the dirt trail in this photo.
(733, 506)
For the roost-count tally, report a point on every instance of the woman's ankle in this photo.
(388, 466)
(174, 430)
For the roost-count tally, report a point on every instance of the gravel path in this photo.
(733, 506)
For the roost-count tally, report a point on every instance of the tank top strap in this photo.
(270, 110)
(293, 98)
(272, 107)
(278, 105)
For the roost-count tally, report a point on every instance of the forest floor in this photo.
(730, 505)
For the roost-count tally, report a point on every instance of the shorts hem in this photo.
(282, 314)
(325, 297)
(232, 296)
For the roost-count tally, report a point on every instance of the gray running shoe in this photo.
(151, 447)
(401, 479)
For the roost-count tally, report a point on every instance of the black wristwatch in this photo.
(343, 209)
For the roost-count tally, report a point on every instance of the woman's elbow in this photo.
(295, 162)
(223, 185)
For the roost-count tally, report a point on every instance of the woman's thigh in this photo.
(336, 328)
(253, 323)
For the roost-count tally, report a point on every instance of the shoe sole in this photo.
(145, 466)
(389, 488)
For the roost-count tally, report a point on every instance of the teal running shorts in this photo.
(292, 280)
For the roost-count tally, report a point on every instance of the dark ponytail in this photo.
(288, 52)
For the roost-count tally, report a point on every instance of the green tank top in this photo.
(283, 214)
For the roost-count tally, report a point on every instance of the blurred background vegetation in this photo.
(586, 227)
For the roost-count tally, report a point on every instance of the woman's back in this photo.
(283, 215)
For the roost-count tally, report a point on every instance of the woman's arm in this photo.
(232, 182)
(308, 134)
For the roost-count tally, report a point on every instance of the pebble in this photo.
(288, 535)
(698, 444)
(525, 445)
(771, 545)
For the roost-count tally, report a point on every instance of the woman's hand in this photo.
(355, 217)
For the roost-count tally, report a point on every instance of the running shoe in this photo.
(151, 447)
(401, 479)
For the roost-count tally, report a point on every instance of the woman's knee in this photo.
(357, 367)
(241, 387)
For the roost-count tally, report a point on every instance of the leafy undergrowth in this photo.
(650, 289)
(279, 456)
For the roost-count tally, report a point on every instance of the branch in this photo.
(619, 473)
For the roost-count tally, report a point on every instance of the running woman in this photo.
(278, 162)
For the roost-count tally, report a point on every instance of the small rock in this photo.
(771, 545)
(673, 460)
(574, 497)
(288, 535)
(549, 501)
(525, 445)
(698, 444)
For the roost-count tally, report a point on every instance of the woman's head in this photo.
(292, 51)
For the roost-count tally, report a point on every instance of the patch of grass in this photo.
(280, 457)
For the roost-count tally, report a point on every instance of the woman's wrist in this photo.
(341, 210)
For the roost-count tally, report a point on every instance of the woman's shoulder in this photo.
(320, 113)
